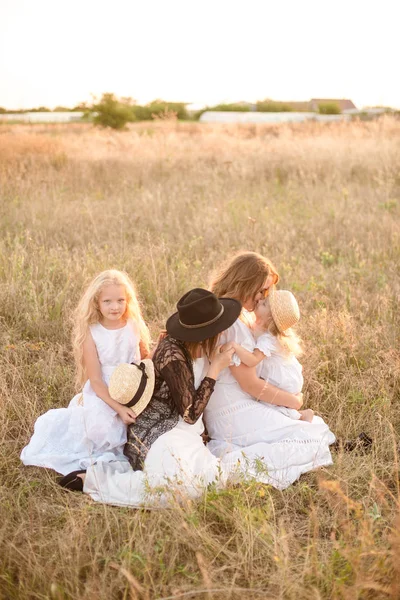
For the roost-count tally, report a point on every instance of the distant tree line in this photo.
(79, 108)
(114, 112)
(111, 111)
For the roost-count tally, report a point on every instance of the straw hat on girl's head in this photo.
(132, 385)
(284, 308)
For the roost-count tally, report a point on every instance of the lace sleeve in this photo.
(173, 363)
(189, 402)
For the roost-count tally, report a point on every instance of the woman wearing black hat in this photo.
(165, 445)
(192, 340)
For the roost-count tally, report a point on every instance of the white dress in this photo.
(280, 368)
(177, 461)
(235, 421)
(88, 431)
(178, 464)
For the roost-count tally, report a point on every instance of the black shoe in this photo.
(365, 441)
(361, 443)
(72, 481)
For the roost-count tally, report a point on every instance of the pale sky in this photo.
(210, 51)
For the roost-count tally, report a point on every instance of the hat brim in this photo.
(232, 310)
(117, 384)
(148, 392)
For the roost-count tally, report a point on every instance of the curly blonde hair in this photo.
(289, 340)
(242, 276)
(88, 312)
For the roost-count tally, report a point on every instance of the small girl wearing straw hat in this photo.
(108, 330)
(276, 347)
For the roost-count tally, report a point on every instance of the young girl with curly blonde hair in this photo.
(108, 330)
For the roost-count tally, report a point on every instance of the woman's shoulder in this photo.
(168, 350)
(238, 332)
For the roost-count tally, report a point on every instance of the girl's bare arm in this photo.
(144, 353)
(261, 390)
(250, 359)
(93, 371)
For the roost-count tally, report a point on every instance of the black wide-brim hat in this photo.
(201, 315)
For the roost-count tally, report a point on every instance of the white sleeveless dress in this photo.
(88, 431)
(235, 421)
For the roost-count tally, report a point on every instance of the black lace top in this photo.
(174, 394)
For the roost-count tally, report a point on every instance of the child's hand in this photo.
(235, 360)
(126, 414)
(228, 346)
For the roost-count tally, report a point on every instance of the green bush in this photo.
(39, 109)
(157, 108)
(229, 108)
(111, 112)
(329, 108)
(271, 106)
(81, 107)
(141, 113)
(221, 108)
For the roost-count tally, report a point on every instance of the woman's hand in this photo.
(220, 360)
(126, 414)
(300, 397)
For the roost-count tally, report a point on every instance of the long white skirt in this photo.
(179, 466)
(68, 439)
(236, 422)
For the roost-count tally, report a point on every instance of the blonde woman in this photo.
(240, 415)
(108, 330)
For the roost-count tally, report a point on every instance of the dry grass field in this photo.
(167, 202)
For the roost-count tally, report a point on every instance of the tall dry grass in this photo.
(167, 202)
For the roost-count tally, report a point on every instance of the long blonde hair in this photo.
(242, 276)
(88, 312)
(289, 340)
